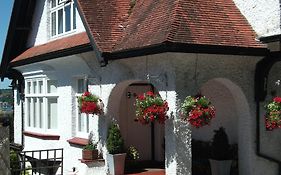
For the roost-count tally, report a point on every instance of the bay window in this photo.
(62, 17)
(41, 104)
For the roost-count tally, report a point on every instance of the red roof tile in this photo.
(206, 22)
(54, 46)
(104, 18)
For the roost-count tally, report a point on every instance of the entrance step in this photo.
(147, 172)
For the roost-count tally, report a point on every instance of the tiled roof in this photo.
(55, 46)
(104, 18)
(152, 22)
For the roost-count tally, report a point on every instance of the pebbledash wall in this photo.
(263, 15)
(227, 80)
(175, 75)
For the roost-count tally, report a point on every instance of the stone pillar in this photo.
(178, 147)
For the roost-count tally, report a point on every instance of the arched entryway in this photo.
(148, 139)
(232, 113)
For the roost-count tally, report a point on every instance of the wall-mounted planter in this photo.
(90, 154)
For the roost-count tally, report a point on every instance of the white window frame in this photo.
(60, 4)
(45, 96)
(86, 118)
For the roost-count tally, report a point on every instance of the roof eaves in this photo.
(271, 38)
(186, 48)
(56, 54)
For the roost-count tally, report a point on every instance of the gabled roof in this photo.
(152, 22)
(120, 29)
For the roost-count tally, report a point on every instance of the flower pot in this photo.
(89, 154)
(116, 163)
(220, 167)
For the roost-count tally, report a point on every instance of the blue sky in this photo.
(5, 13)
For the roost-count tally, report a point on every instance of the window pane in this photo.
(81, 86)
(74, 16)
(52, 86)
(40, 84)
(35, 113)
(41, 112)
(83, 122)
(28, 87)
(53, 3)
(80, 122)
(60, 21)
(52, 113)
(28, 102)
(67, 11)
(53, 23)
(34, 87)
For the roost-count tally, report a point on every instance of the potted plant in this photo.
(90, 151)
(198, 111)
(115, 147)
(273, 114)
(151, 107)
(90, 104)
(220, 153)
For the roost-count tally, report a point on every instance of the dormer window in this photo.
(62, 16)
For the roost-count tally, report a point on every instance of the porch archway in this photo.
(121, 108)
(232, 113)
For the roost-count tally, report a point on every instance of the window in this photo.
(41, 104)
(82, 119)
(63, 17)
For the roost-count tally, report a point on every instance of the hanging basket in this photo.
(273, 114)
(197, 110)
(90, 104)
(150, 107)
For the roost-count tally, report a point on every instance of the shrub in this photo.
(114, 142)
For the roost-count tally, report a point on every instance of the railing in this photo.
(38, 162)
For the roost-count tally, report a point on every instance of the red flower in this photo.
(150, 93)
(150, 108)
(277, 99)
(141, 97)
(86, 94)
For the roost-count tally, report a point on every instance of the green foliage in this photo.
(132, 153)
(90, 146)
(14, 160)
(114, 142)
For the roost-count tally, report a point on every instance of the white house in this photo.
(57, 49)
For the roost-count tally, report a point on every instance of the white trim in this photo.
(86, 118)
(34, 110)
(55, 10)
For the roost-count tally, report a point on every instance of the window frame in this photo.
(87, 117)
(73, 13)
(42, 111)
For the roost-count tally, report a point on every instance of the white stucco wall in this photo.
(263, 15)
(173, 75)
(17, 119)
(40, 32)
